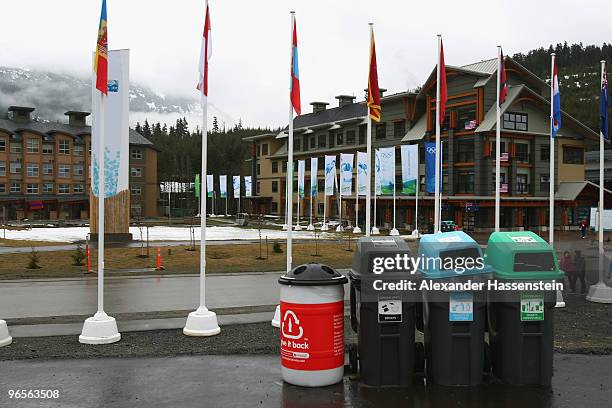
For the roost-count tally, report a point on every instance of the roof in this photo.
(48, 128)
(490, 119)
(569, 190)
(486, 67)
(258, 137)
(417, 132)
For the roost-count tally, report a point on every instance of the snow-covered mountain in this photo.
(52, 94)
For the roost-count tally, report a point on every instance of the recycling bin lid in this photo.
(370, 247)
(313, 275)
(441, 250)
(522, 255)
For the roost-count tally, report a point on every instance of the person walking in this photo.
(567, 265)
(583, 228)
(580, 271)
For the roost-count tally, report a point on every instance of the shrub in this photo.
(78, 255)
(276, 248)
(34, 260)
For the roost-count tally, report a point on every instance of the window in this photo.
(47, 148)
(47, 188)
(522, 152)
(339, 138)
(502, 149)
(544, 182)
(322, 140)
(275, 186)
(2, 188)
(515, 121)
(63, 189)
(2, 168)
(258, 187)
(381, 131)
(464, 152)
(274, 167)
(284, 167)
(321, 163)
(465, 182)
(258, 169)
(32, 170)
(297, 145)
(545, 152)
(573, 155)
(78, 169)
(77, 188)
(64, 170)
(137, 172)
(15, 188)
(350, 137)
(15, 167)
(502, 182)
(522, 185)
(15, 147)
(136, 154)
(47, 169)
(79, 150)
(313, 142)
(32, 145)
(332, 139)
(258, 153)
(274, 207)
(32, 188)
(264, 149)
(136, 190)
(2, 144)
(399, 129)
(64, 147)
(362, 134)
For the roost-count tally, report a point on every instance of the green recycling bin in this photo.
(521, 302)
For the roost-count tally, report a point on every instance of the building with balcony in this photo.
(468, 152)
(45, 169)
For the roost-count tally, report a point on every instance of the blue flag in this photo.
(430, 166)
(604, 102)
(556, 101)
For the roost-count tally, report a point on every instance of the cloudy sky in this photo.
(250, 66)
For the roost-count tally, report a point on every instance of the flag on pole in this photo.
(101, 57)
(197, 186)
(205, 53)
(248, 186)
(373, 91)
(556, 101)
(346, 173)
(377, 169)
(330, 175)
(210, 186)
(604, 103)
(223, 186)
(362, 173)
(295, 74)
(410, 168)
(301, 174)
(314, 182)
(236, 186)
(503, 85)
(386, 179)
(443, 87)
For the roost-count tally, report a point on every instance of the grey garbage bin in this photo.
(386, 354)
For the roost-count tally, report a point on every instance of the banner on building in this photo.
(116, 127)
(248, 186)
(301, 171)
(314, 182)
(346, 173)
(210, 186)
(410, 168)
(362, 173)
(223, 186)
(430, 166)
(330, 175)
(236, 186)
(386, 177)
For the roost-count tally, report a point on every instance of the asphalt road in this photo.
(255, 381)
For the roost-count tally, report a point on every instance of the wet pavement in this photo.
(255, 381)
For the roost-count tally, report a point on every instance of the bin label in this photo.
(460, 307)
(523, 239)
(532, 307)
(312, 335)
(389, 308)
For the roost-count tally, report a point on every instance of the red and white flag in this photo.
(205, 53)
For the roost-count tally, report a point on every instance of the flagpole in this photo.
(375, 230)
(551, 200)
(416, 200)
(340, 229)
(498, 143)
(369, 149)
(601, 189)
(101, 197)
(437, 173)
(394, 230)
(290, 163)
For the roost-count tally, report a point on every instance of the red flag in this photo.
(443, 88)
(295, 73)
(101, 57)
(374, 108)
(205, 53)
(503, 85)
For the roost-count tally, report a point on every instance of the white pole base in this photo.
(5, 338)
(284, 227)
(560, 302)
(339, 228)
(276, 319)
(310, 227)
(394, 232)
(297, 228)
(99, 329)
(600, 293)
(356, 230)
(324, 227)
(375, 231)
(202, 323)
